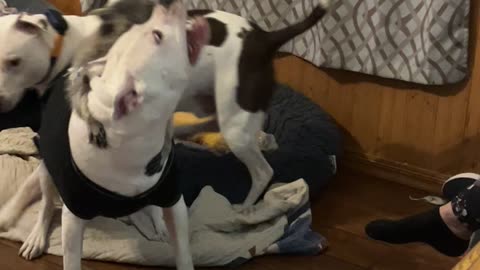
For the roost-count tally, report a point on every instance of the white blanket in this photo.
(220, 235)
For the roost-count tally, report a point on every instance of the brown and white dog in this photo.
(236, 72)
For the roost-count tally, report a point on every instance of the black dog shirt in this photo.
(83, 197)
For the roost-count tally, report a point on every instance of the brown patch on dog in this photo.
(218, 32)
(255, 71)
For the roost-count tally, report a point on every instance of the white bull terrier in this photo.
(134, 98)
(41, 46)
(38, 49)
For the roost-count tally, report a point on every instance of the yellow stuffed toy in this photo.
(471, 261)
(214, 141)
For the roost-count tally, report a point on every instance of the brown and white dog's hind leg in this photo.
(240, 130)
(36, 242)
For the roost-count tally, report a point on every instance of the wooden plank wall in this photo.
(68, 7)
(406, 132)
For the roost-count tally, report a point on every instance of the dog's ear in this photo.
(127, 100)
(33, 25)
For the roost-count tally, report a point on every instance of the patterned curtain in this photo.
(422, 41)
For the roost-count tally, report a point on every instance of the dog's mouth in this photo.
(198, 35)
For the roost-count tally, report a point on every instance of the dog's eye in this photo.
(13, 63)
(157, 36)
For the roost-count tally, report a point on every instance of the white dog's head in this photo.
(24, 56)
(148, 68)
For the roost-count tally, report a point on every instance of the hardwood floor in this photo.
(340, 215)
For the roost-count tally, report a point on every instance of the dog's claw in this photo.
(34, 246)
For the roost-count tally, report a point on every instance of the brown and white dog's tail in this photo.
(280, 37)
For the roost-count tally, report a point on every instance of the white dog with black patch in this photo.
(233, 80)
(134, 98)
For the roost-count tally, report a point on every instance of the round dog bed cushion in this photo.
(309, 143)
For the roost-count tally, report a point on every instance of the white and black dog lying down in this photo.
(41, 46)
(236, 65)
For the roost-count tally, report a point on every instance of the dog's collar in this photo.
(60, 25)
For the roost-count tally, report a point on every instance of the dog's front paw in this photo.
(98, 136)
(161, 231)
(161, 236)
(34, 246)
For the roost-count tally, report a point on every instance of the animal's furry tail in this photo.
(280, 37)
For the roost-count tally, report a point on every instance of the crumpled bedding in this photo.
(220, 235)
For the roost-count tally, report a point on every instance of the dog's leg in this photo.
(28, 192)
(176, 219)
(36, 242)
(240, 130)
(150, 215)
(240, 133)
(72, 240)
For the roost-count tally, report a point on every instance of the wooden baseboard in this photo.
(395, 171)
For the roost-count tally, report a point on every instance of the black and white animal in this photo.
(134, 98)
(233, 79)
(236, 69)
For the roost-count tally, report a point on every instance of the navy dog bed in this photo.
(309, 143)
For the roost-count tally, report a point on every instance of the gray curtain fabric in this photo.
(36, 6)
(422, 41)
